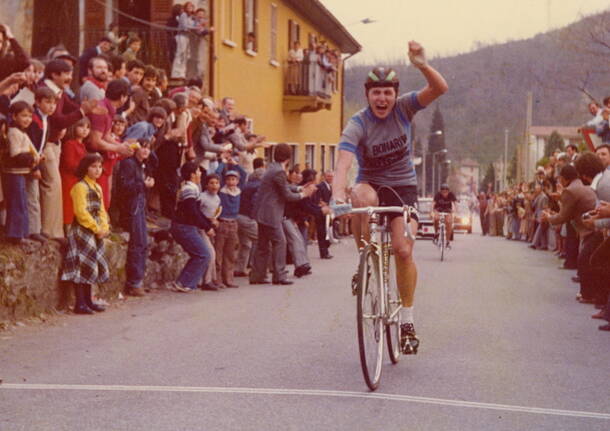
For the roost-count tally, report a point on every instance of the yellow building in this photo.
(255, 72)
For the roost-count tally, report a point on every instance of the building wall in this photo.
(258, 85)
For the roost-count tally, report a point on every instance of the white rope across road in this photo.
(311, 393)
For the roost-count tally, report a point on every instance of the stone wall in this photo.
(29, 274)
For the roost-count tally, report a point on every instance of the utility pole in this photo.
(528, 125)
(505, 159)
(425, 173)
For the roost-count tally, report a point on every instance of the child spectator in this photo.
(115, 36)
(32, 74)
(226, 241)
(19, 160)
(134, 44)
(132, 185)
(73, 151)
(187, 221)
(210, 206)
(38, 131)
(148, 128)
(119, 125)
(144, 95)
(186, 24)
(85, 263)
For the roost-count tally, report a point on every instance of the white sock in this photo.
(406, 313)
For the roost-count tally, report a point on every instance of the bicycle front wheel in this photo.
(370, 321)
(392, 327)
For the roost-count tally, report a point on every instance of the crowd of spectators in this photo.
(566, 210)
(313, 71)
(118, 150)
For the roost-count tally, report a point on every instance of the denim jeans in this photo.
(191, 241)
(137, 248)
(17, 225)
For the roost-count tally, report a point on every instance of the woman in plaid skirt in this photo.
(85, 263)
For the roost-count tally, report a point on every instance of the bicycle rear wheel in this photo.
(392, 327)
(370, 322)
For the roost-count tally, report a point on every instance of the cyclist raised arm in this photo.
(444, 202)
(379, 136)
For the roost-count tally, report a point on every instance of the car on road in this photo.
(462, 219)
(425, 228)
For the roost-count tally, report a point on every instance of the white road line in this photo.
(308, 392)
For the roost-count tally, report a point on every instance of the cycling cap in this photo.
(382, 77)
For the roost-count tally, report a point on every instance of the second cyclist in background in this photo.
(444, 202)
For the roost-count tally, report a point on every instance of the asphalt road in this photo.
(504, 347)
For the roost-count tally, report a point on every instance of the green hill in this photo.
(488, 87)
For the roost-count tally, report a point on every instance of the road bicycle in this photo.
(441, 239)
(378, 298)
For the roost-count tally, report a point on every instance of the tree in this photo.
(589, 45)
(490, 177)
(436, 143)
(555, 142)
(512, 168)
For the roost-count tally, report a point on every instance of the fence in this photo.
(309, 78)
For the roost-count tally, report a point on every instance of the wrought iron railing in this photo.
(309, 78)
(156, 44)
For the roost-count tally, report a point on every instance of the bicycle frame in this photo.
(383, 245)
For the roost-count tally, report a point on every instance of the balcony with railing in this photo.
(308, 86)
(155, 49)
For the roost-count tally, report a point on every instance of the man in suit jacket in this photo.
(103, 47)
(575, 200)
(323, 195)
(271, 198)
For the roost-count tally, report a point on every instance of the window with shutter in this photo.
(273, 47)
(228, 31)
(250, 26)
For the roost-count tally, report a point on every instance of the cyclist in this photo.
(379, 137)
(444, 202)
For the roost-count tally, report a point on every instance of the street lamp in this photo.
(363, 21)
(443, 151)
(424, 151)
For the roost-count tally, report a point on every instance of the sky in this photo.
(449, 27)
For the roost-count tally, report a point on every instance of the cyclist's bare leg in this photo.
(363, 195)
(435, 217)
(449, 226)
(406, 270)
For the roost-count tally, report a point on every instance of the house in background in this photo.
(538, 137)
(469, 173)
(247, 58)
